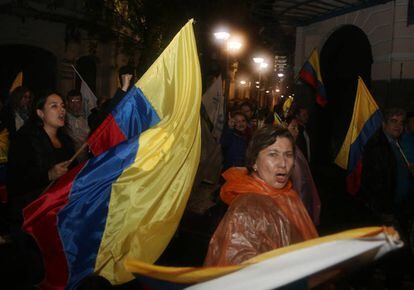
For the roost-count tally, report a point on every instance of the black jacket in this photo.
(31, 155)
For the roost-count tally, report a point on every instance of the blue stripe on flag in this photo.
(134, 113)
(89, 200)
(91, 190)
(370, 127)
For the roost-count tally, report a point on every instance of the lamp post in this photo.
(242, 89)
(261, 65)
(230, 45)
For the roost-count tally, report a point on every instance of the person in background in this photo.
(303, 141)
(126, 81)
(302, 179)
(234, 141)
(16, 112)
(407, 140)
(76, 125)
(4, 149)
(40, 152)
(407, 148)
(385, 175)
(264, 211)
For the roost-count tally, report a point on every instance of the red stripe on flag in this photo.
(353, 180)
(309, 77)
(40, 221)
(107, 135)
(321, 100)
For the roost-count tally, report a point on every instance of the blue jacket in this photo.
(234, 146)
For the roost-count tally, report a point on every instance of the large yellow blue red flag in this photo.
(311, 74)
(366, 119)
(126, 201)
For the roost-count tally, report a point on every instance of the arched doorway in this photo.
(38, 66)
(345, 55)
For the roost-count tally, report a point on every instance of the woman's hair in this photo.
(263, 138)
(39, 104)
(16, 96)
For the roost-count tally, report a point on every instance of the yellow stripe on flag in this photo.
(314, 61)
(364, 108)
(190, 275)
(18, 82)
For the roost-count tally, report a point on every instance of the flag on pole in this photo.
(311, 74)
(89, 100)
(213, 101)
(18, 82)
(271, 270)
(127, 201)
(286, 106)
(366, 120)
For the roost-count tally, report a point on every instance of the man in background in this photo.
(76, 124)
(126, 81)
(303, 141)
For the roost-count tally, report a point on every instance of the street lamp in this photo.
(221, 35)
(234, 45)
(230, 45)
(258, 59)
(261, 65)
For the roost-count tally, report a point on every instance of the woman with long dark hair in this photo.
(40, 151)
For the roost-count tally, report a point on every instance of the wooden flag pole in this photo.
(77, 153)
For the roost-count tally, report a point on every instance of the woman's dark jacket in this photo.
(31, 155)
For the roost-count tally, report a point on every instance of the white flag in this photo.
(279, 271)
(213, 101)
(89, 100)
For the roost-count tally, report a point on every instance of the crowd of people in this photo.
(267, 186)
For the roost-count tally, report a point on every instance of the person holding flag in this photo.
(98, 114)
(377, 170)
(385, 174)
(39, 153)
(127, 200)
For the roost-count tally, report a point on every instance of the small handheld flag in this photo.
(311, 74)
(89, 100)
(366, 120)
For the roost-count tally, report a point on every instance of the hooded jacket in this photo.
(260, 218)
